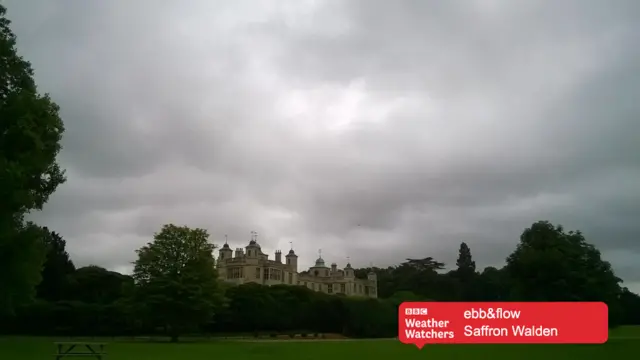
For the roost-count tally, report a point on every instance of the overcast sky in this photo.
(375, 130)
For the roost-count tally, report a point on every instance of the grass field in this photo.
(622, 342)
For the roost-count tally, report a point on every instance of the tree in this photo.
(465, 274)
(97, 285)
(493, 284)
(30, 134)
(176, 279)
(421, 277)
(466, 265)
(427, 264)
(630, 304)
(56, 269)
(21, 255)
(552, 265)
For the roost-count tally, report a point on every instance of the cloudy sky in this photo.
(378, 130)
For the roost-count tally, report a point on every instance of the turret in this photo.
(348, 271)
(320, 269)
(253, 249)
(292, 260)
(373, 289)
(239, 252)
(224, 254)
(372, 276)
(278, 256)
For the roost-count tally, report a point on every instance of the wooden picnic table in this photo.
(80, 349)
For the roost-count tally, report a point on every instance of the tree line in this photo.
(174, 290)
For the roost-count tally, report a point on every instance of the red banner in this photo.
(423, 323)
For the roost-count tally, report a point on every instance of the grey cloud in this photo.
(371, 129)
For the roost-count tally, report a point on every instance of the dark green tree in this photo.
(630, 303)
(427, 264)
(97, 285)
(30, 134)
(421, 277)
(22, 253)
(401, 296)
(56, 269)
(550, 264)
(465, 275)
(176, 279)
(493, 284)
(466, 266)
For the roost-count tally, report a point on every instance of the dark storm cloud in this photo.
(371, 129)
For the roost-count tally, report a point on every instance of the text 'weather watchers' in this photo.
(423, 323)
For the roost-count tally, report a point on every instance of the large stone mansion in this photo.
(254, 266)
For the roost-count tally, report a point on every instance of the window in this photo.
(290, 278)
(326, 273)
(234, 273)
(257, 273)
(330, 288)
(265, 274)
(275, 274)
(313, 286)
(288, 261)
(342, 288)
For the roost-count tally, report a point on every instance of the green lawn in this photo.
(622, 343)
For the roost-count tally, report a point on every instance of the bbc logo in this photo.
(415, 311)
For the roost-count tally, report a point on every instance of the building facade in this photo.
(251, 265)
